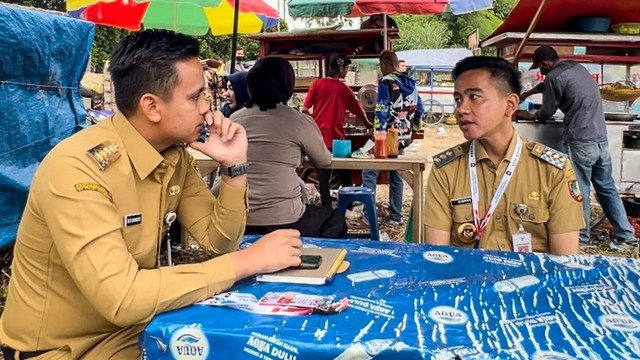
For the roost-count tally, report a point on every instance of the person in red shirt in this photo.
(330, 98)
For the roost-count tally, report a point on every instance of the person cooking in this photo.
(569, 86)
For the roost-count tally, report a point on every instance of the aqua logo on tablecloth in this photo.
(448, 315)
(438, 257)
(189, 343)
(551, 355)
(620, 322)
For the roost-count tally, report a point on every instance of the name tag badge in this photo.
(521, 241)
(132, 219)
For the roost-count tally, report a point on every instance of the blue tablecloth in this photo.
(428, 303)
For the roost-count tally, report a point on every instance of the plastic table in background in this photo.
(416, 301)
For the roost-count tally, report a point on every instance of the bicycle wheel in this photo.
(433, 112)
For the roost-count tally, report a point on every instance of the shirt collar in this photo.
(482, 153)
(144, 157)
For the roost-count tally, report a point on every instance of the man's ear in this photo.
(150, 106)
(513, 100)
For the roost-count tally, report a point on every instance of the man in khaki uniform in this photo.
(86, 272)
(540, 188)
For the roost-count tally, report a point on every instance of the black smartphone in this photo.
(309, 262)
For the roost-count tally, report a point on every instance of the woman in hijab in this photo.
(277, 136)
(235, 94)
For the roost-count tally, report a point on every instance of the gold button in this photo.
(163, 165)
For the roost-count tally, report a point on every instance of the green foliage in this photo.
(103, 43)
(448, 30)
(422, 32)
(57, 5)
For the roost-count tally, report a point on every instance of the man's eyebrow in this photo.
(469, 90)
(197, 92)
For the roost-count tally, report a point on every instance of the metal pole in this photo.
(384, 32)
(234, 37)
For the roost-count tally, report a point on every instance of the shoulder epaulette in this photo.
(447, 156)
(104, 154)
(548, 154)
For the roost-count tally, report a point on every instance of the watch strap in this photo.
(235, 170)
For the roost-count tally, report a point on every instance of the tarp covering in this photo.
(559, 12)
(42, 59)
(415, 301)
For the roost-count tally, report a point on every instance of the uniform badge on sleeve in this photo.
(574, 190)
(104, 154)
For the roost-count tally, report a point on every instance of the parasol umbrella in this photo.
(193, 17)
(357, 8)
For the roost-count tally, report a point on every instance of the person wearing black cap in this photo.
(330, 98)
(569, 86)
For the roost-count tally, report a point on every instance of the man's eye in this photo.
(474, 97)
(457, 100)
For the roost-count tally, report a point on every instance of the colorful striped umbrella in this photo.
(356, 8)
(193, 17)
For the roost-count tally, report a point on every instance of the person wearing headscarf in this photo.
(235, 94)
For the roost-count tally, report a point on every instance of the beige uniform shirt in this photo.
(543, 180)
(86, 261)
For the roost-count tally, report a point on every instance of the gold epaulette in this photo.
(548, 154)
(105, 154)
(447, 156)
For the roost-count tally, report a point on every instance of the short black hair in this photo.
(144, 62)
(270, 81)
(389, 58)
(500, 69)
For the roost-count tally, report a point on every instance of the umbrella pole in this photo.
(384, 32)
(234, 37)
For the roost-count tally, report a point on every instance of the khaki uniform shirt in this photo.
(86, 260)
(543, 180)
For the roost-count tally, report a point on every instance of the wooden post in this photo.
(534, 22)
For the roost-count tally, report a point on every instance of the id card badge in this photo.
(521, 241)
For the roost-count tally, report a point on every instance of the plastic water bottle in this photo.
(371, 275)
(369, 349)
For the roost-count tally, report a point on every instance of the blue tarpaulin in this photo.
(43, 57)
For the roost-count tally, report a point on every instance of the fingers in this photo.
(223, 126)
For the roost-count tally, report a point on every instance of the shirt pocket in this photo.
(463, 229)
(534, 222)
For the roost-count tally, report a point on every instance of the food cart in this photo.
(610, 57)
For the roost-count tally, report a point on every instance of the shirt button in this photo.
(163, 165)
(532, 217)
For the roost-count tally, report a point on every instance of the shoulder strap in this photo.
(548, 154)
(447, 156)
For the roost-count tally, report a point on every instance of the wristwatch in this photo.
(235, 170)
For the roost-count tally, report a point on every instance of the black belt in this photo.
(10, 354)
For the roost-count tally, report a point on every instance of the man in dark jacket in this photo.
(570, 87)
(400, 106)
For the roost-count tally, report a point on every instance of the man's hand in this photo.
(275, 251)
(227, 142)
